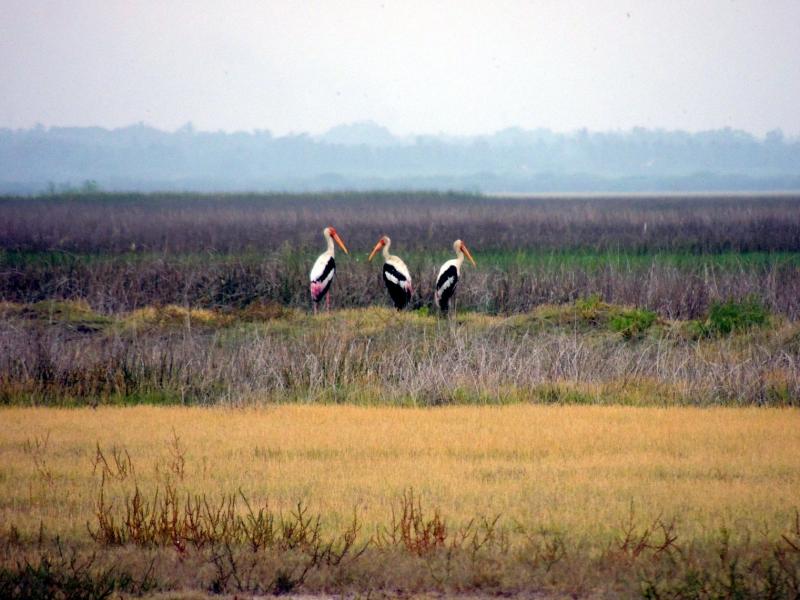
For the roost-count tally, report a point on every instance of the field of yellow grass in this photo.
(572, 468)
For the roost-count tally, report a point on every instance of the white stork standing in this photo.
(447, 279)
(324, 268)
(395, 274)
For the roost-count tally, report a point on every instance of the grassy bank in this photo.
(588, 352)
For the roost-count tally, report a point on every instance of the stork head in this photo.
(384, 241)
(460, 247)
(331, 233)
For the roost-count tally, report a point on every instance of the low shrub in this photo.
(632, 323)
(725, 318)
(62, 574)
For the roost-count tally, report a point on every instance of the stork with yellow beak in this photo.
(395, 274)
(447, 279)
(323, 270)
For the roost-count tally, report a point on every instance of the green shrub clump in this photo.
(731, 316)
(630, 322)
(633, 322)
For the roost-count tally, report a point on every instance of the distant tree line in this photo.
(367, 156)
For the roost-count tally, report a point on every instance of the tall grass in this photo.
(673, 286)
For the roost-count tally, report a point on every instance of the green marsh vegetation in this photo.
(643, 305)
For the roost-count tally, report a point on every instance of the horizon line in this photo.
(190, 127)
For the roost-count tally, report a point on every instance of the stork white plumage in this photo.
(447, 279)
(324, 269)
(396, 275)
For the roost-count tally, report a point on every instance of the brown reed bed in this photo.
(233, 223)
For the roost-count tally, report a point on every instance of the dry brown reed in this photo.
(181, 223)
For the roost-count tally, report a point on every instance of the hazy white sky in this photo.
(417, 67)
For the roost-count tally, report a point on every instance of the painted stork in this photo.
(395, 274)
(447, 279)
(324, 267)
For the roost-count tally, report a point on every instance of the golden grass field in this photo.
(574, 468)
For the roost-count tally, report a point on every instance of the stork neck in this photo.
(329, 241)
(459, 257)
(385, 251)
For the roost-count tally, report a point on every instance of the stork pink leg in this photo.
(328, 302)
